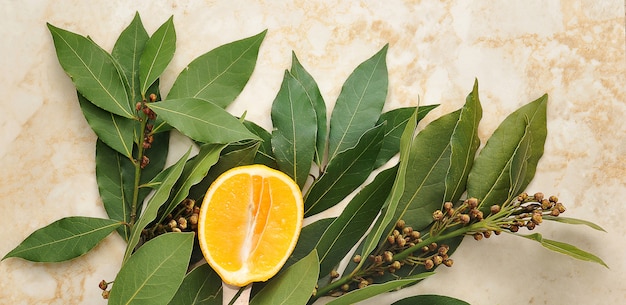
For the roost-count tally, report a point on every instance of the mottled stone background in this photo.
(518, 50)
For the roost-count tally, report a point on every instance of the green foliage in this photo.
(154, 273)
(219, 75)
(344, 173)
(201, 286)
(565, 248)
(491, 176)
(202, 121)
(430, 299)
(376, 289)
(157, 53)
(359, 104)
(295, 129)
(64, 239)
(349, 156)
(294, 286)
(92, 70)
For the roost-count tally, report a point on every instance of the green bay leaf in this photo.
(219, 75)
(359, 104)
(264, 154)
(430, 299)
(194, 171)
(157, 54)
(236, 154)
(464, 142)
(127, 52)
(201, 286)
(114, 130)
(202, 121)
(346, 230)
(427, 166)
(564, 248)
(115, 175)
(344, 173)
(315, 96)
(92, 71)
(295, 129)
(396, 121)
(64, 239)
(390, 206)
(154, 273)
(293, 286)
(490, 178)
(376, 289)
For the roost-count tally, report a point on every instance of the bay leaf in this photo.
(319, 106)
(359, 104)
(490, 178)
(219, 75)
(202, 121)
(92, 71)
(574, 221)
(153, 274)
(193, 172)
(64, 239)
(293, 286)
(346, 230)
(264, 154)
(376, 289)
(430, 299)
(396, 121)
(295, 129)
(427, 166)
(127, 52)
(114, 130)
(565, 248)
(344, 173)
(389, 207)
(157, 54)
(464, 142)
(201, 286)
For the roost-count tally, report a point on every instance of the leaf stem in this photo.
(137, 163)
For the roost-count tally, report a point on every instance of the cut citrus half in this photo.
(249, 223)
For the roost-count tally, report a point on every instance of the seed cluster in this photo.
(401, 238)
(184, 218)
(149, 116)
(405, 246)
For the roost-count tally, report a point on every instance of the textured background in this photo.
(518, 50)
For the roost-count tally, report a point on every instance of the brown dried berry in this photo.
(472, 202)
(495, 209)
(437, 215)
(429, 264)
(388, 256)
(400, 224)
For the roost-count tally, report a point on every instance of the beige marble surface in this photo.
(518, 50)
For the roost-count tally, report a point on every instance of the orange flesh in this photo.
(255, 244)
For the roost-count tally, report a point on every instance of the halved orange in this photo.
(249, 223)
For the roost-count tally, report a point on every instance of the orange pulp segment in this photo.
(249, 223)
